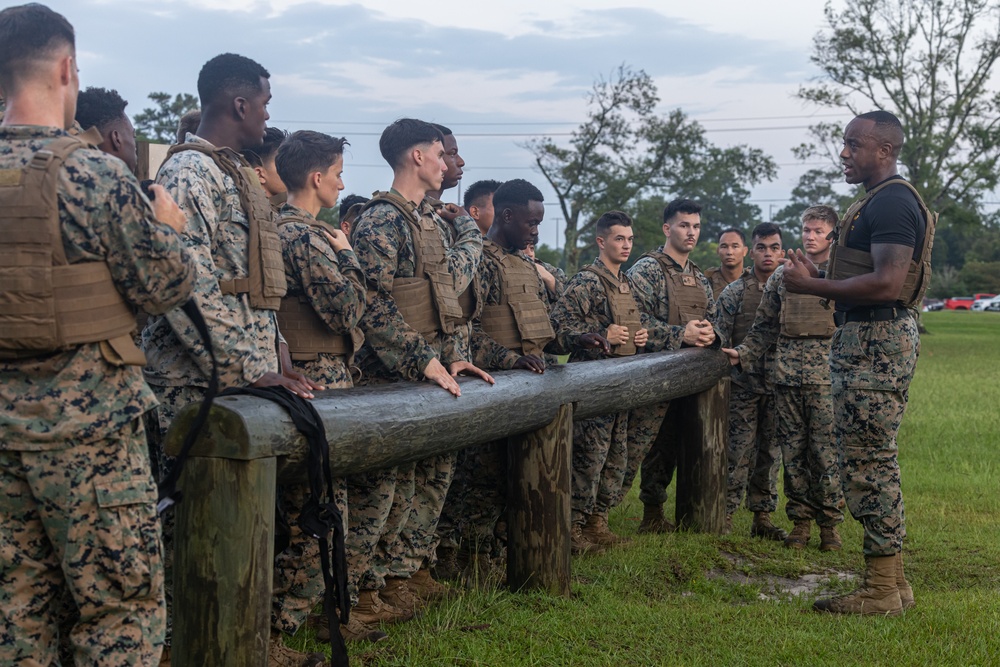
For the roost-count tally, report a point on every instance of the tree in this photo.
(815, 188)
(930, 63)
(159, 123)
(625, 151)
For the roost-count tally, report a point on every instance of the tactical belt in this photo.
(866, 314)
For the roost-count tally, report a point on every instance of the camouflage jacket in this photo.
(716, 280)
(730, 305)
(384, 246)
(217, 234)
(77, 396)
(651, 294)
(584, 308)
(795, 361)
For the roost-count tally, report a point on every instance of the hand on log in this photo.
(466, 368)
(274, 380)
(530, 362)
(734, 356)
(437, 373)
(593, 341)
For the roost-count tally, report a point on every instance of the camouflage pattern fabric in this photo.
(552, 295)
(658, 463)
(717, 280)
(78, 516)
(871, 366)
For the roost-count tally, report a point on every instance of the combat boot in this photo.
(372, 610)
(580, 545)
(877, 595)
(356, 631)
(279, 655)
(447, 566)
(764, 529)
(397, 594)
(799, 537)
(597, 531)
(906, 598)
(829, 539)
(423, 585)
(653, 521)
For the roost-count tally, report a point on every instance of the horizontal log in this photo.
(375, 427)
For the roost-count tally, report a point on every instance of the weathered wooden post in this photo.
(538, 507)
(701, 428)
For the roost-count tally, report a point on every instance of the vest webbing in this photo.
(427, 300)
(685, 294)
(753, 291)
(520, 322)
(848, 262)
(46, 304)
(624, 310)
(265, 283)
(806, 316)
(716, 280)
(306, 333)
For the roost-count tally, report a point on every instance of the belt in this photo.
(873, 314)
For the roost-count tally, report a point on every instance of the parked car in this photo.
(982, 300)
(930, 305)
(987, 304)
(994, 305)
(959, 302)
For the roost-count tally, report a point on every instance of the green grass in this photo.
(691, 599)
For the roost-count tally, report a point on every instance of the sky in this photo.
(497, 73)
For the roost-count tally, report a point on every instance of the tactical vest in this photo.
(304, 330)
(716, 280)
(624, 310)
(752, 294)
(685, 293)
(520, 322)
(47, 304)
(426, 301)
(266, 281)
(847, 262)
(806, 316)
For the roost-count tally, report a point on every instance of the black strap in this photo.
(320, 519)
(169, 494)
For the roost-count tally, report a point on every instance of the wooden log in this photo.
(701, 429)
(538, 507)
(223, 564)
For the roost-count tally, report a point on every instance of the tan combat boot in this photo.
(877, 595)
(372, 610)
(799, 537)
(597, 531)
(829, 539)
(763, 528)
(279, 655)
(905, 591)
(398, 594)
(357, 631)
(653, 521)
(423, 585)
(580, 545)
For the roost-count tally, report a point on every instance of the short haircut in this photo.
(273, 138)
(824, 213)
(610, 219)
(306, 152)
(189, 122)
(99, 107)
(478, 190)
(516, 192)
(229, 76)
(29, 34)
(733, 230)
(349, 201)
(403, 135)
(680, 206)
(445, 131)
(765, 230)
(887, 128)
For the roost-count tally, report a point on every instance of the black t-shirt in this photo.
(892, 216)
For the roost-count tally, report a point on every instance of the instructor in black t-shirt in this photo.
(877, 272)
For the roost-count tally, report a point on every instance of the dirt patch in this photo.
(775, 587)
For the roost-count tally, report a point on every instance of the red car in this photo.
(959, 303)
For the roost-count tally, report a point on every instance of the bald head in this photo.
(886, 129)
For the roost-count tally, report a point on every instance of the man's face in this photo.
(814, 233)
(454, 162)
(617, 245)
(432, 165)
(256, 116)
(682, 231)
(482, 212)
(765, 253)
(861, 153)
(731, 250)
(521, 224)
(129, 154)
(269, 179)
(331, 183)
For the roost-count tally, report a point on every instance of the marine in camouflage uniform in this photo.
(717, 281)
(800, 373)
(79, 502)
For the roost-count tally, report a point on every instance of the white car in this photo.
(985, 304)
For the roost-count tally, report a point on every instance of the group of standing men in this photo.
(408, 289)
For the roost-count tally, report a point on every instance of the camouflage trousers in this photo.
(369, 497)
(600, 451)
(804, 427)
(656, 455)
(753, 454)
(474, 511)
(81, 520)
(871, 365)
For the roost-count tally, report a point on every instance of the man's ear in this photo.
(317, 178)
(240, 107)
(261, 175)
(66, 66)
(474, 212)
(115, 139)
(666, 228)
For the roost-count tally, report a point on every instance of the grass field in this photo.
(690, 599)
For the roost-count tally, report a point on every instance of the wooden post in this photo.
(702, 430)
(223, 565)
(538, 507)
